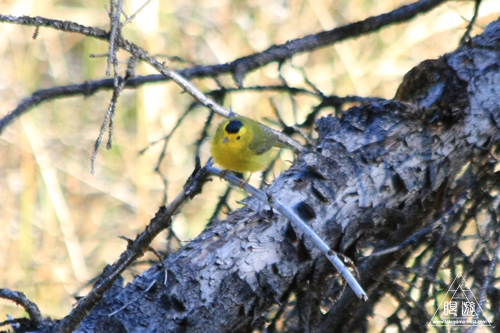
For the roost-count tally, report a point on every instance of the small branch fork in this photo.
(30, 307)
(118, 82)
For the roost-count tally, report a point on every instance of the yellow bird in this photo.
(242, 144)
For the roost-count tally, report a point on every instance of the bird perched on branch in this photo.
(242, 144)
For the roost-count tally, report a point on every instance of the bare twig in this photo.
(202, 98)
(239, 68)
(292, 217)
(114, 18)
(472, 21)
(275, 53)
(221, 203)
(132, 17)
(139, 295)
(415, 238)
(108, 121)
(118, 85)
(160, 222)
(204, 133)
(292, 96)
(487, 280)
(20, 299)
(166, 140)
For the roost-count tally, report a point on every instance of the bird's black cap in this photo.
(234, 126)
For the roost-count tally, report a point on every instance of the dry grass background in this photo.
(59, 225)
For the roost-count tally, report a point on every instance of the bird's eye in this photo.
(238, 137)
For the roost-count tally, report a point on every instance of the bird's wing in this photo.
(262, 141)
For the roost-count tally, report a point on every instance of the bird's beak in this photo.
(225, 140)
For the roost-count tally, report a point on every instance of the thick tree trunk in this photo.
(377, 175)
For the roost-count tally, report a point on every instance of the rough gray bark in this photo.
(376, 176)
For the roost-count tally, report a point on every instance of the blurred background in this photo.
(59, 225)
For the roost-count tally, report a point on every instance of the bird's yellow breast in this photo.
(237, 157)
(231, 146)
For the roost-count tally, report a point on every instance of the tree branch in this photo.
(377, 176)
(239, 68)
